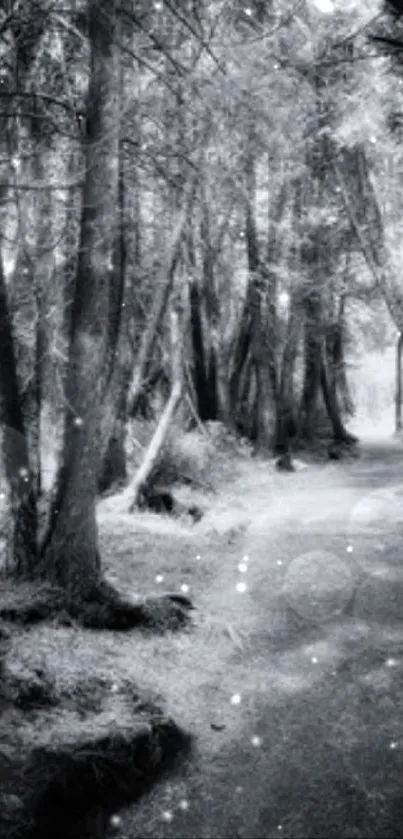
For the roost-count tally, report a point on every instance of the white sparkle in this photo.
(241, 587)
(314, 660)
(23, 472)
(184, 588)
(78, 422)
(167, 816)
(114, 688)
(245, 558)
(391, 662)
(198, 556)
(349, 549)
(184, 805)
(248, 11)
(159, 578)
(242, 567)
(279, 562)
(115, 820)
(236, 699)
(393, 745)
(2, 496)
(324, 6)
(239, 790)
(256, 741)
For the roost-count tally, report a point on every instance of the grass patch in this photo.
(295, 707)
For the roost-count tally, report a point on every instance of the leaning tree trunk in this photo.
(132, 494)
(70, 552)
(144, 359)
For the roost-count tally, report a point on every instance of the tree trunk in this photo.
(312, 363)
(113, 429)
(398, 391)
(22, 552)
(340, 434)
(159, 436)
(150, 335)
(70, 552)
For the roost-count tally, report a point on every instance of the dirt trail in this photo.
(293, 676)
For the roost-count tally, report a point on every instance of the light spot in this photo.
(239, 790)
(198, 556)
(324, 6)
(236, 699)
(241, 587)
(256, 741)
(184, 588)
(314, 660)
(115, 820)
(391, 662)
(78, 422)
(279, 562)
(167, 816)
(393, 745)
(159, 578)
(242, 567)
(23, 472)
(248, 11)
(349, 549)
(184, 805)
(114, 688)
(245, 558)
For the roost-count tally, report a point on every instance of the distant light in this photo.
(284, 298)
(184, 588)
(236, 699)
(242, 567)
(248, 11)
(241, 587)
(159, 578)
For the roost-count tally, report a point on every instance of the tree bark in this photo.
(145, 354)
(398, 391)
(313, 340)
(22, 549)
(70, 552)
(159, 436)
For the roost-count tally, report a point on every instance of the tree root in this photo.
(101, 608)
(107, 609)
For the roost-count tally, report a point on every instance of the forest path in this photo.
(294, 685)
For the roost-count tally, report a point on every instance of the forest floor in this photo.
(290, 677)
